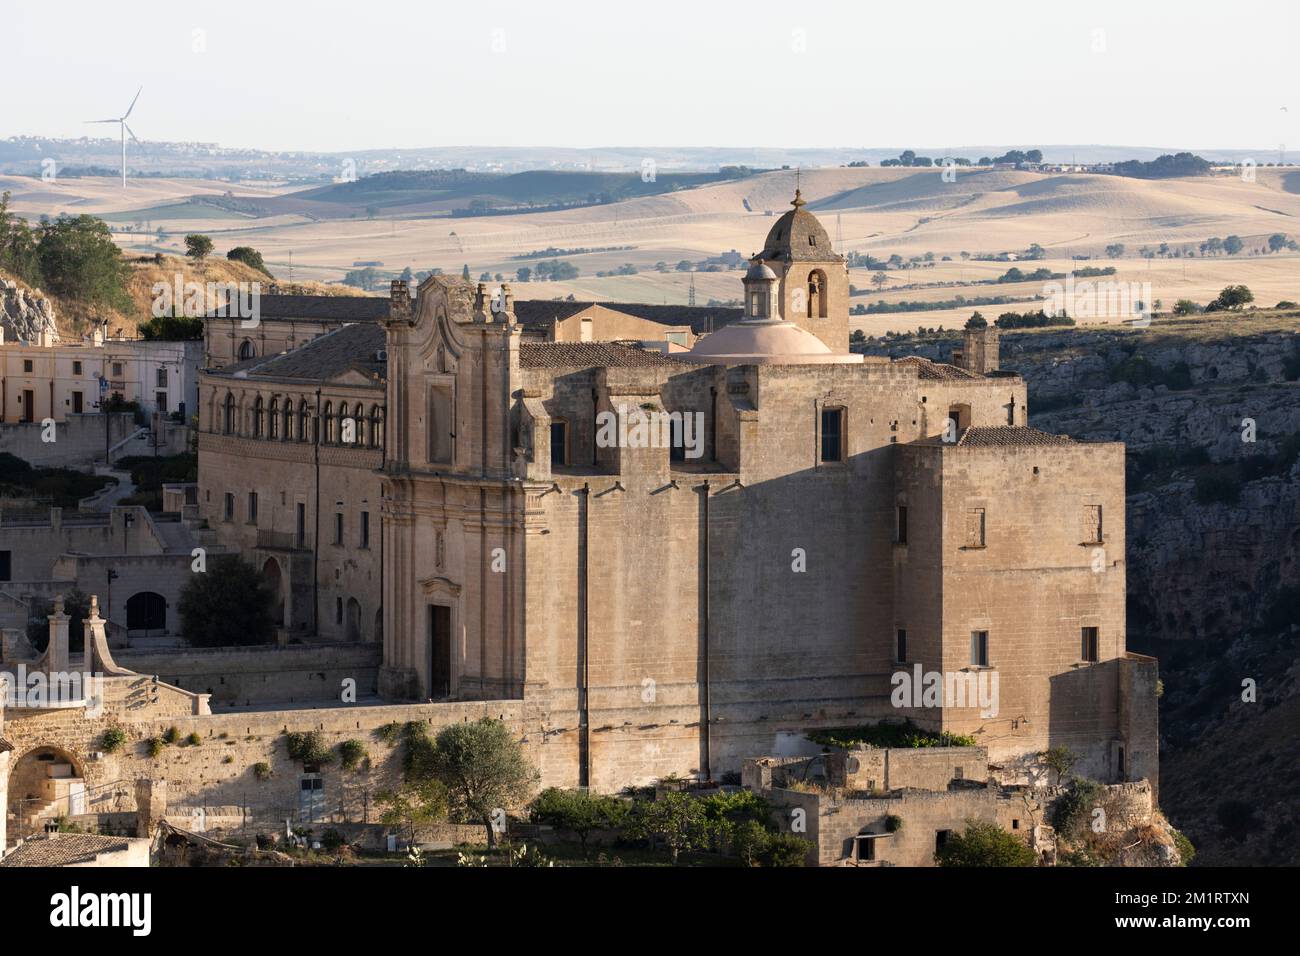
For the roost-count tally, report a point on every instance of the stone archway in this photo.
(274, 579)
(45, 783)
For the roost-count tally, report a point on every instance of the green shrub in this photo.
(1186, 852)
(785, 849)
(1073, 809)
(893, 823)
(578, 811)
(351, 754)
(984, 845)
(194, 739)
(262, 770)
(112, 739)
(171, 735)
(888, 735)
(154, 747)
(390, 733)
(308, 748)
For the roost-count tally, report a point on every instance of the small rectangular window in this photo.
(252, 507)
(6, 565)
(979, 648)
(1088, 642)
(365, 529)
(76, 368)
(900, 645)
(300, 526)
(900, 524)
(1092, 524)
(161, 378)
(559, 444)
(117, 369)
(832, 434)
(338, 610)
(975, 528)
(229, 508)
(27, 365)
(338, 527)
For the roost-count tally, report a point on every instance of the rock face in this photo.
(25, 316)
(1210, 413)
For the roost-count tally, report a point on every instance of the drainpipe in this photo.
(315, 540)
(584, 713)
(708, 708)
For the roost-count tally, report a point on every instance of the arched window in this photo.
(327, 424)
(817, 294)
(346, 433)
(273, 420)
(247, 350)
(228, 415)
(288, 418)
(257, 417)
(376, 427)
(361, 424)
(304, 421)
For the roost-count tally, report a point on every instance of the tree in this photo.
(18, 254)
(197, 246)
(879, 280)
(578, 811)
(984, 845)
(228, 604)
(1060, 760)
(675, 819)
(249, 257)
(413, 805)
(1232, 245)
(1186, 307)
(523, 274)
(1115, 250)
(1232, 297)
(483, 768)
(464, 273)
(79, 260)
(977, 321)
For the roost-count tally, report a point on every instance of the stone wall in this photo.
(78, 439)
(295, 673)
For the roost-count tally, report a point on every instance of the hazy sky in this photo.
(382, 73)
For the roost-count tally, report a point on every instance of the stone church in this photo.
(846, 519)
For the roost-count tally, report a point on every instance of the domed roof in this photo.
(760, 271)
(798, 235)
(764, 342)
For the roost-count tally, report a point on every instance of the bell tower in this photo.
(812, 279)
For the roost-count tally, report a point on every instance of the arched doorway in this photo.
(274, 582)
(146, 614)
(353, 619)
(46, 783)
(247, 350)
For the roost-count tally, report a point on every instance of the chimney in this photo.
(399, 303)
(979, 351)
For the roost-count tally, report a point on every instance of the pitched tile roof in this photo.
(539, 312)
(1007, 436)
(323, 308)
(590, 355)
(63, 849)
(929, 371)
(323, 358)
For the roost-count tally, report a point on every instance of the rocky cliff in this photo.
(24, 314)
(1210, 411)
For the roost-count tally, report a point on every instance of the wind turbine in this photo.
(121, 120)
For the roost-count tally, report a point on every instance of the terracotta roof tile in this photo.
(63, 849)
(590, 355)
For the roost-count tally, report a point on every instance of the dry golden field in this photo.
(877, 211)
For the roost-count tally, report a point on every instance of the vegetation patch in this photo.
(888, 735)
